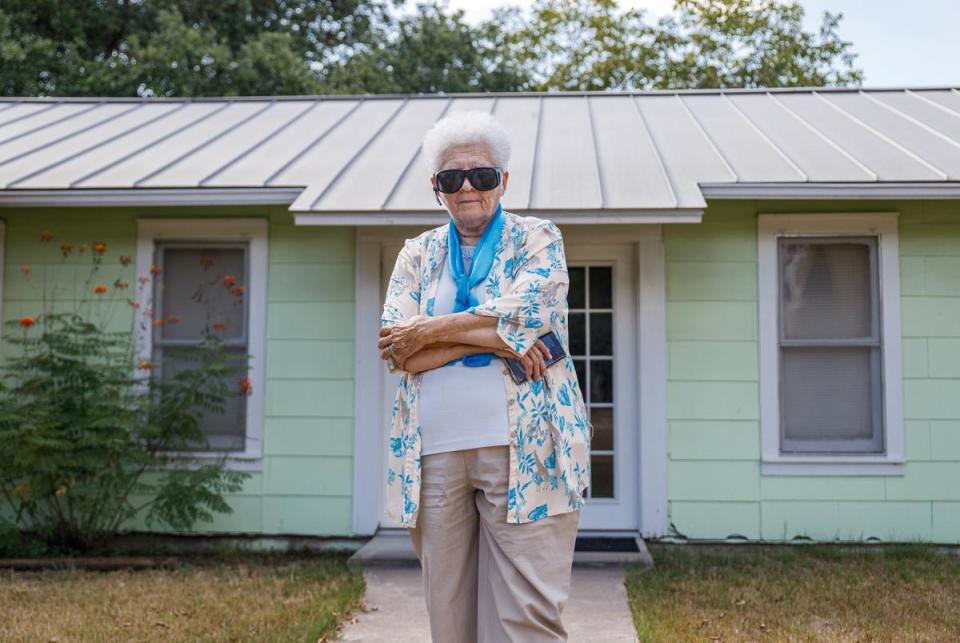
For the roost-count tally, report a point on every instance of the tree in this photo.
(592, 44)
(179, 47)
(266, 47)
(429, 51)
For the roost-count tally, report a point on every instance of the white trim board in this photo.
(891, 190)
(431, 219)
(368, 446)
(882, 225)
(652, 321)
(255, 231)
(651, 317)
(144, 197)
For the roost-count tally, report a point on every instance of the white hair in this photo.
(466, 128)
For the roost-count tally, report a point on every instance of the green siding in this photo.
(305, 483)
(716, 490)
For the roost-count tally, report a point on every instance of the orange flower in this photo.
(144, 365)
(154, 270)
(100, 289)
(158, 322)
(46, 235)
(133, 303)
(219, 325)
(25, 269)
(125, 260)
(65, 249)
(142, 279)
(246, 386)
(237, 290)
(26, 321)
(229, 280)
(206, 262)
(82, 248)
(99, 247)
(120, 284)
(173, 319)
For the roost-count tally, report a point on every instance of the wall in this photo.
(716, 490)
(306, 480)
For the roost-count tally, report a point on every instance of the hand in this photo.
(534, 360)
(403, 339)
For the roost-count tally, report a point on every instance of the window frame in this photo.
(252, 231)
(882, 226)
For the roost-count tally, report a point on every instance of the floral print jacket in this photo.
(549, 432)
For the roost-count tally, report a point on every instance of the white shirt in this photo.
(462, 407)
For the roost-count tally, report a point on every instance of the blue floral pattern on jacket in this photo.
(548, 428)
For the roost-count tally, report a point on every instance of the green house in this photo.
(765, 289)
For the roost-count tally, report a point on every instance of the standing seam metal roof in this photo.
(586, 152)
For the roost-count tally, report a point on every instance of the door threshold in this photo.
(392, 546)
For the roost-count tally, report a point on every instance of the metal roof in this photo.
(589, 152)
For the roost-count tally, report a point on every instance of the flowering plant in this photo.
(90, 434)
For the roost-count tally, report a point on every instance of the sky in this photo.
(900, 43)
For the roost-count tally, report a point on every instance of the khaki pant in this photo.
(486, 580)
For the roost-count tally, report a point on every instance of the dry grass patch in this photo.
(233, 598)
(798, 594)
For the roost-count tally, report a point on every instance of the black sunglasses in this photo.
(481, 178)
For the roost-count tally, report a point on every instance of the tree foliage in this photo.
(178, 47)
(593, 45)
(431, 50)
(269, 47)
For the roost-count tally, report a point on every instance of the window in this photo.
(590, 302)
(829, 343)
(200, 290)
(212, 278)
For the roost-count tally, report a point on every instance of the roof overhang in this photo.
(160, 197)
(438, 217)
(851, 190)
(156, 197)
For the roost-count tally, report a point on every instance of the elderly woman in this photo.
(487, 475)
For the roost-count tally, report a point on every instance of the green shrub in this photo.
(86, 425)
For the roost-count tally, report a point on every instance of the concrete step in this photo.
(395, 549)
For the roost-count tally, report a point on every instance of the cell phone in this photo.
(557, 353)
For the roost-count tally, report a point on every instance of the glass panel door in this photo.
(603, 345)
(602, 302)
(590, 301)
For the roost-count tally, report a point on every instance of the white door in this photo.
(602, 302)
(602, 321)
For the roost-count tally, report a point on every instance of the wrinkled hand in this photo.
(534, 360)
(403, 339)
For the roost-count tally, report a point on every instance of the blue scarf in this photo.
(479, 269)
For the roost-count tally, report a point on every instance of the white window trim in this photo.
(253, 230)
(882, 225)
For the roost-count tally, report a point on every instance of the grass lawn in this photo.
(239, 597)
(797, 594)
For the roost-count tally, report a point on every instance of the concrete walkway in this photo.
(394, 610)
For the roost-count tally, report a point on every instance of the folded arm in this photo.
(537, 297)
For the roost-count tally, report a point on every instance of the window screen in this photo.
(202, 289)
(830, 379)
